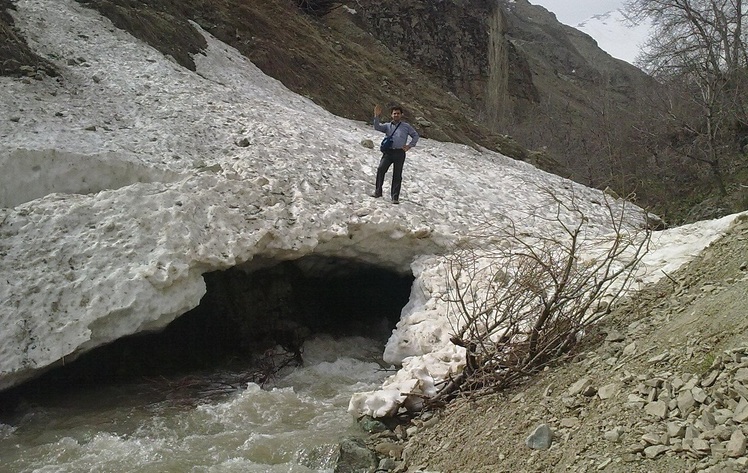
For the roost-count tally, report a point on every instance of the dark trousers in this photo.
(390, 157)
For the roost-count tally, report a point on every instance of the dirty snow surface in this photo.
(128, 177)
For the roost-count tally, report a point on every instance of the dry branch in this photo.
(521, 302)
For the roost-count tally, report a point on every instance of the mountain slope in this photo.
(465, 72)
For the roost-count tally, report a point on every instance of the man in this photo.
(399, 131)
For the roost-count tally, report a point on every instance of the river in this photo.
(200, 423)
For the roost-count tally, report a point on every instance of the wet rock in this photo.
(354, 457)
(371, 425)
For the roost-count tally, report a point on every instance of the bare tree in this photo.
(520, 302)
(700, 45)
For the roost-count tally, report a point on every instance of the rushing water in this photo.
(292, 427)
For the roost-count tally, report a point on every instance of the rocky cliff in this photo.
(519, 69)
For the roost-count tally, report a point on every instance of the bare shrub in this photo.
(520, 302)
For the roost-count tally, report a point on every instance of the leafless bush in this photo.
(522, 301)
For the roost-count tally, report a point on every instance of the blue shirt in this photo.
(400, 138)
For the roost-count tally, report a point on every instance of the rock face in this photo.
(456, 41)
(501, 57)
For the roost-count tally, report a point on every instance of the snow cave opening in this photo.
(245, 311)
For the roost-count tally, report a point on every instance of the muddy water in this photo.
(194, 424)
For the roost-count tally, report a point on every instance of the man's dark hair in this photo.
(398, 108)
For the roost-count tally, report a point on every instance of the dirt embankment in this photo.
(665, 391)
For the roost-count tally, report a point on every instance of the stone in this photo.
(580, 386)
(722, 432)
(736, 445)
(615, 336)
(630, 349)
(740, 389)
(659, 358)
(541, 438)
(675, 429)
(699, 395)
(740, 413)
(654, 451)
(614, 434)
(391, 449)
(569, 422)
(722, 415)
(355, 456)
(371, 425)
(657, 409)
(572, 402)
(708, 421)
(700, 445)
(608, 391)
(741, 375)
(654, 382)
(690, 383)
(709, 379)
(686, 402)
(386, 464)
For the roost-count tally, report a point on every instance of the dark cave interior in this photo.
(244, 312)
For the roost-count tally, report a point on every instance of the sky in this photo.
(602, 20)
(178, 197)
(573, 12)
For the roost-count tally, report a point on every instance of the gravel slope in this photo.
(682, 338)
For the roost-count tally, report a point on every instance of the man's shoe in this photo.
(375, 195)
(395, 201)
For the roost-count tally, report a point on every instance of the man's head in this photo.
(396, 113)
